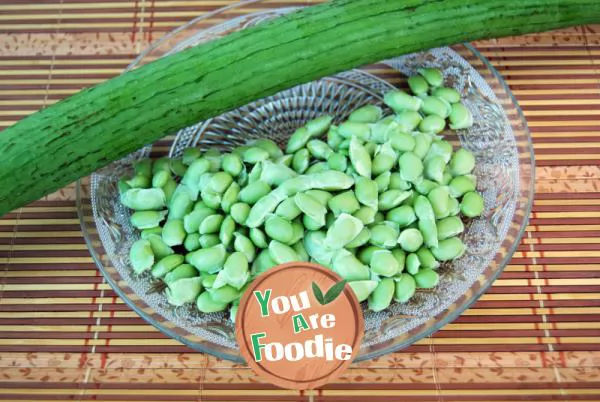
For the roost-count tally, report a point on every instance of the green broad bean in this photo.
(448, 249)
(423, 143)
(440, 148)
(343, 230)
(460, 117)
(297, 232)
(311, 207)
(144, 199)
(141, 256)
(181, 204)
(143, 167)
(285, 160)
(330, 180)
(365, 214)
(362, 289)
(396, 182)
(160, 179)
(403, 215)
(147, 219)
(242, 178)
(435, 106)
(177, 167)
(213, 155)
(220, 181)
(418, 85)
(410, 239)
(385, 159)
(453, 207)
(392, 198)
(232, 164)
(360, 240)
(439, 198)
(408, 121)
(268, 145)
(334, 139)
(166, 265)
(366, 114)
(314, 244)
(446, 177)
(427, 259)
(345, 202)
(288, 209)
(450, 95)
(317, 167)
(426, 222)
(371, 148)
(173, 233)
(301, 251)
(243, 244)
(384, 263)
(411, 166)
(426, 278)
(190, 155)
(255, 173)
(379, 217)
(139, 181)
(400, 101)
(254, 155)
(169, 189)
(424, 186)
(239, 212)
(319, 149)
(191, 178)
(434, 168)
(346, 265)
(211, 224)
(225, 294)
(350, 129)
(412, 263)
(365, 254)
(208, 280)
(192, 221)
(145, 233)
(274, 174)
(317, 127)
(381, 297)
(312, 224)
(337, 161)
(360, 158)
(263, 207)
(279, 229)
(460, 185)
(281, 253)
(462, 162)
(321, 196)
(159, 164)
(433, 76)
(366, 191)
(432, 124)
(472, 204)
(206, 304)
(254, 192)
(405, 288)
(401, 142)
(181, 272)
(380, 130)
(230, 197)
(159, 248)
(226, 230)
(208, 260)
(235, 271)
(400, 257)
(184, 290)
(209, 240)
(258, 237)
(192, 242)
(262, 263)
(297, 141)
(301, 160)
(383, 182)
(204, 181)
(384, 234)
(123, 186)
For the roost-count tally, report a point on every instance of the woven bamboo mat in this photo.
(535, 335)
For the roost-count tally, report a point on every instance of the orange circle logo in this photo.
(299, 325)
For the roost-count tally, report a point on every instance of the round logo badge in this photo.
(299, 325)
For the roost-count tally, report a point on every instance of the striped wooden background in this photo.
(64, 335)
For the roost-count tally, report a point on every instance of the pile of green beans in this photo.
(378, 199)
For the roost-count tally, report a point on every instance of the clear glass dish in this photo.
(499, 138)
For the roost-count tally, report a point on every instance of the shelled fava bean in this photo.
(377, 199)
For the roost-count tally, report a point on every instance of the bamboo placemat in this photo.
(65, 335)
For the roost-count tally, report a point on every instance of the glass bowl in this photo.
(499, 139)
